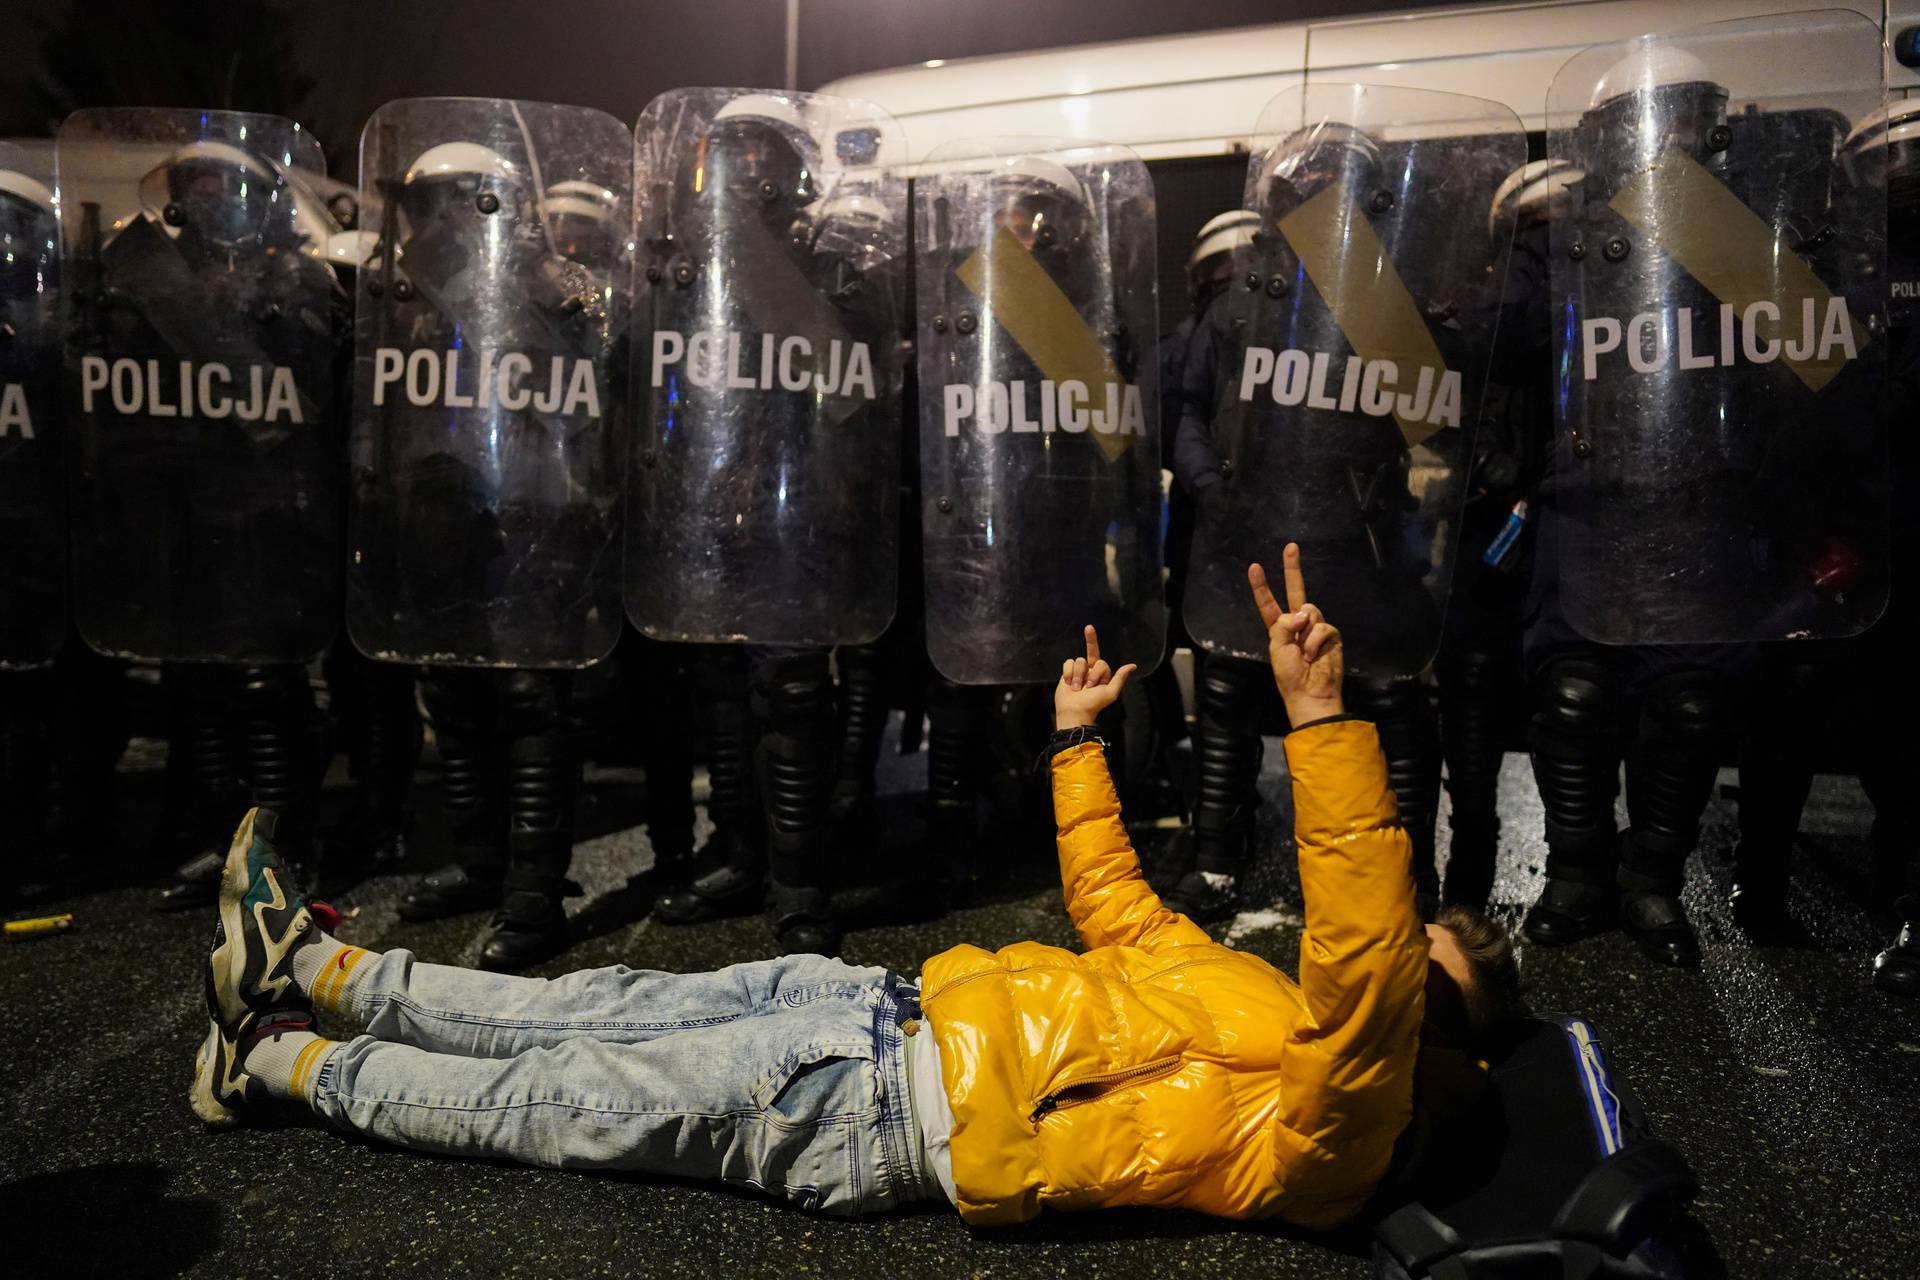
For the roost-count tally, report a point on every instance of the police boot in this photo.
(667, 755)
(802, 920)
(1897, 969)
(543, 777)
(1576, 767)
(733, 879)
(863, 718)
(1470, 715)
(959, 729)
(792, 699)
(1775, 776)
(472, 795)
(1669, 781)
(373, 838)
(1410, 738)
(205, 793)
(1230, 750)
(1650, 909)
(531, 924)
(1760, 883)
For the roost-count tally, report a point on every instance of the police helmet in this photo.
(1535, 192)
(221, 194)
(445, 178)
(1656, 97)
(1217, 240)
(759, 148)
(1309, 160)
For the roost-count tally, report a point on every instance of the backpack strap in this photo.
(1628, 1196)
(1415, 1239)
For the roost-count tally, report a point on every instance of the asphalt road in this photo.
(1792, 1086)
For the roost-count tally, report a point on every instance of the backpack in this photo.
(1553, 1174)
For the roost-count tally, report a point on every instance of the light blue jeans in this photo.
(784, 1075)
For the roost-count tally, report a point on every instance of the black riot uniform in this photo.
(208, 536)
(748, 205)
(1686, 496)
(33, 598)
(1039, 494)
(1234, 693)
(1480, 645)
(492, 559)
(1835, 694)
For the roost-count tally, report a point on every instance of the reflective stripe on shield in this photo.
(1039, 443)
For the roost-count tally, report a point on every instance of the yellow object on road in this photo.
(43, 927)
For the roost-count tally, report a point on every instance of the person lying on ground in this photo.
(1155, 1067)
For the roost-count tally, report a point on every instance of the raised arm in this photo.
(1363, 957)
(1106, 896)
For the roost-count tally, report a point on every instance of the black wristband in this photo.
(1066, 740)
(1314, 724)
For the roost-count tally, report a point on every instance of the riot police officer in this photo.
(203, 364)
(764, 485)
(485, 479)
(1688, 490)
(1282, 441)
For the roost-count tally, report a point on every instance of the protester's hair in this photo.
(1494, 994)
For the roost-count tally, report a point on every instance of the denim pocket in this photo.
(817, 1083)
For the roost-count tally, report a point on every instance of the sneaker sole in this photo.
(226, 963)
(206, 1103)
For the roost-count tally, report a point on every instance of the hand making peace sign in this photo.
(1302, 646)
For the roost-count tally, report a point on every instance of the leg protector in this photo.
(1670, 774)
(543, 775)
(215, 793)
(863, 718)
(1576, 764)
(721, 704)
(792, 698)
(960, 729)
(1229, 753)
(276, 708)
(1410, 737)
(666, 729)
(1470, 721)
(390, 751)
(461, 706)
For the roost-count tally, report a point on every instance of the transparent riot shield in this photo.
(1345, 411)
(203, 337)
(1039, 442)
(488, 340)
(766, 465)
(1720, 465)
(33, 534)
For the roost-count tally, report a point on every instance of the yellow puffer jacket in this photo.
(1162, 1068)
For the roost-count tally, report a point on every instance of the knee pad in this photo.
(792, 690)
(1685, 713)
(1229, 694)
(1470, 673)
(533, 702)
(1578, 707)
(959, 726)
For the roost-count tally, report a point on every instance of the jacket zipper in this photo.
(1093, 1088)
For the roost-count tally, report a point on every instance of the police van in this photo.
(1187, 103)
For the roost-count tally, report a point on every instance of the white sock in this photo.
(288, 1063)
(331, 973)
